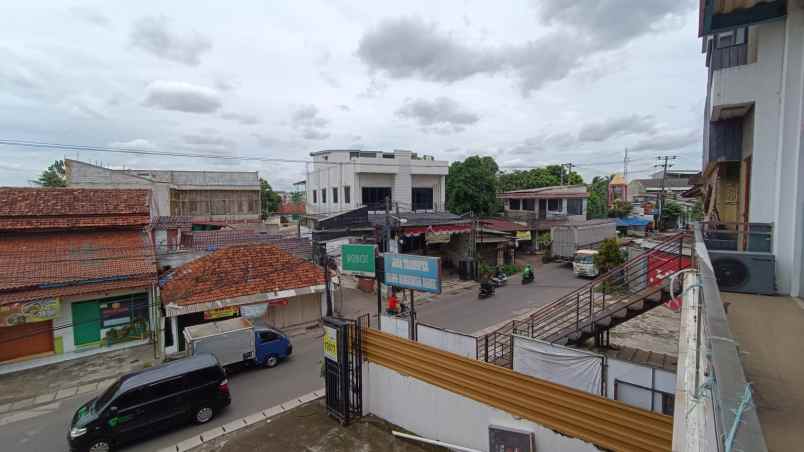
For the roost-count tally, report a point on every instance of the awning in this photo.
(436, 229)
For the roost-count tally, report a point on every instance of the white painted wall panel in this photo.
(446, 340)
(436, 413)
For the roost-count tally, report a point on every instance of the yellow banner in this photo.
(29, 312)
(523, 235)
(220, 313)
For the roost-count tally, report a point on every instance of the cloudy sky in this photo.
(534, 83)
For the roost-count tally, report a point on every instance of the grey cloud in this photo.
(136, 143)
(208, 141)
(344, 107)
(181, 96)
(441, 115)
(153, 35)
(330, 79)
(91, 15)
(667, 141)
(242, 118)
(618, 126)
(544, 142)
(610, 22)
(82, 108)
(314, 134)
(409, 47)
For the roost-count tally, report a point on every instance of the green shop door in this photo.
(86, 323)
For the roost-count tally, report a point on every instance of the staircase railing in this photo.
(621, 285)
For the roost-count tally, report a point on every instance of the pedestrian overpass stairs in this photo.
(637, 286)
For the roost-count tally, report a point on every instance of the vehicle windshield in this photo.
(584, 259)
(107, 395)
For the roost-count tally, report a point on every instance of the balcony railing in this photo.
(757, 237)
(726, 57)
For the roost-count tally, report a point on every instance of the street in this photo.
(44, 428)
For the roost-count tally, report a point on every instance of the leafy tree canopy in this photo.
(671, 212)
(269, 199)
(297, 197)
(598, 206)
(608, 255)
(621, 209)
(53, 176)
(472, 186)
(537, 178)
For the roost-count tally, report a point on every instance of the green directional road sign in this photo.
(358, 259)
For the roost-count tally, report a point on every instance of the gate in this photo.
(343, 361)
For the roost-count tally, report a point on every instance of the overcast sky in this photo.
(530, 83)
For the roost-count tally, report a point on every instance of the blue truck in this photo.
(239, 340)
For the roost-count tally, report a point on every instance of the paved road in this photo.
(44, 428)
(466, 313)
(252, 390)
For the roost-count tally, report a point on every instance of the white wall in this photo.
(647, 377)
(436, 413)
(450, 341)
(394, 325)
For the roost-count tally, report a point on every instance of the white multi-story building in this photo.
(753, 155)
(340, 180)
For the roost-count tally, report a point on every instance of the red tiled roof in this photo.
(82, 289)
(498, 224)
(26, 209)
(291, 208)
(237, 271)
(35, 262)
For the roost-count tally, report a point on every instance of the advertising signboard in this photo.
(358, 259)
(29, 312)
(330, 343)
(407, 271)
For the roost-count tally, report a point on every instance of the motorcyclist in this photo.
(527, 273)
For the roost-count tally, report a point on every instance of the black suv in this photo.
(192, 388)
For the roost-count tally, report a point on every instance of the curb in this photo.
(264, 415)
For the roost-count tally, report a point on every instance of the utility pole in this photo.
(569, 171)
(663, 161)
(625, 166)
(322, 254)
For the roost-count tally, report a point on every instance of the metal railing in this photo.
(757, 237)
(615, 290)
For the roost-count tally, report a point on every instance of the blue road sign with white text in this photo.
(407, 271)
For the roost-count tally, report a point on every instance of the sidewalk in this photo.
(45, 384)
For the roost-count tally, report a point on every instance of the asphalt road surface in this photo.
(44, 428)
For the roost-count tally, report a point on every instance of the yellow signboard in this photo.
(29, 312)
(330, 343)
(221, 313)
(523, 235)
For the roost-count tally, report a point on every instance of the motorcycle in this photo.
(486, 290)
(499, 279)
(527, 275)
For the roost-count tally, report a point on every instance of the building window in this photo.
(422, 198)
(528, 204)
(374, 197)
(387, 155)
(354, 155)
(514, 204)
(315, 196)
(575, 207)
(554, 205)
(323, 196)
(335, 195)
(347, 195)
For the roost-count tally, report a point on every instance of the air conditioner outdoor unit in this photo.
(744, 271)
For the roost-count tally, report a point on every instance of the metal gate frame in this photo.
(344, 378)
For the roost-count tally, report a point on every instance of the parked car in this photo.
(239, 340)
(189, 389)
(583, 264)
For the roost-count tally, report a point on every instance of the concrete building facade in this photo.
(230, 196)
(340, 180)
(753, 135)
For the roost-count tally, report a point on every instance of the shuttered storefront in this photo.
(26, 340)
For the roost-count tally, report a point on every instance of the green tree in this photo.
(671, 212)
(297, 197)
(472, 186)
(269, 199)
(621, 209)
(608, 255)
(697, 213)
(537, 178)
(53, 176)
(598, 206)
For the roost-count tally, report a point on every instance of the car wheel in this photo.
(100, 445)
(203, 414)
(271, 361)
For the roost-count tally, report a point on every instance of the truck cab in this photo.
(583, 264)
(270, 345)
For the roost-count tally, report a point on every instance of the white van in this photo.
(584, 263)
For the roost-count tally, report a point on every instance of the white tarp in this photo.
(569, 367)
(460, 344)
(395, 326)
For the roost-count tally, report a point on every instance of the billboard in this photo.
(358, 259)
(407, 271)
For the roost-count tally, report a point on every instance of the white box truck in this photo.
(569, 238)
(238, 340)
